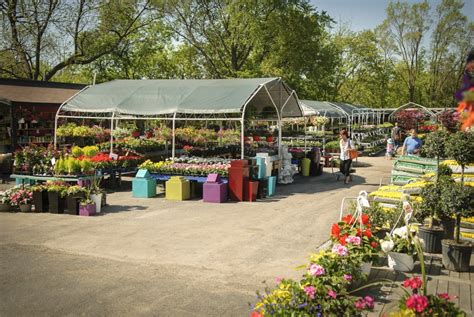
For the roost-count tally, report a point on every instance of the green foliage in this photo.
(90, 151)
(60, 167)
(76, 151)
(458, 200)
(460, 147)
(434, 145)
(431, 205)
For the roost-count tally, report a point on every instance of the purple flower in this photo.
(332, 294)
(348, 277)
(316, 270)
(340, 250)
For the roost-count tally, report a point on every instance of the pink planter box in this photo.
(214, 192)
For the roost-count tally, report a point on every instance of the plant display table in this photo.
(29, 179)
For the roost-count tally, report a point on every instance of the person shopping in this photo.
(412, 144)
(346, 145)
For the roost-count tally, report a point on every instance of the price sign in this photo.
(113, 156)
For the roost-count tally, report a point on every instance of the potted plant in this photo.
(40, 198)
(73, 195)
(22, 198)
(5, 201)
(400, 249)
(87, 207)
(56, 193)
(96, 193)
(458, 200)
(432, 235)
(356, 235)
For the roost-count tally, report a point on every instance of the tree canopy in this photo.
(417, 54)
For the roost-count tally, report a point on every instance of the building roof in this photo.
(30, 91)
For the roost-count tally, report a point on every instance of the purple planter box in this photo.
(214, 192)
(87, 210)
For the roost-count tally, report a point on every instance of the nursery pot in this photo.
(40, 200)
(97, 199)
(72, 204)
(87, 210)
(432, 237)
(25, 208)
(56, 203)
(448, 225)
(400, 262)
(5, 207)
(456, 256)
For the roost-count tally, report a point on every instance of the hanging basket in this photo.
(400, 262)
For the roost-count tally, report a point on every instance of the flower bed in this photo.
(188, 166)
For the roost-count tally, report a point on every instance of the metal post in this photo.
(242, 138)
(112, 133)
(173, 145)
(55, 129)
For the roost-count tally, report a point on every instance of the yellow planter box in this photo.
(178, 188)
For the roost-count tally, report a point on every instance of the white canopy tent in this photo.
(178, 100)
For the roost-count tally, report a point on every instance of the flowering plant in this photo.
(357, 237)
(417, 303)
(21, 197)
(400, 241)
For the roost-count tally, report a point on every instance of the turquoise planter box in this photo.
(24, 181)
(262, 168)
(143, 186)
(271, 185)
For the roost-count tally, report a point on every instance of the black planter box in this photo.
(432, 238)
(56, 203)
(40, 200)
(262, 188)
(196, 189)
(72, 205)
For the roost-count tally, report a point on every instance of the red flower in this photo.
(348, 219)
(368, 233)
(335, 231)
(365, 219)
(359, 233)
(417, 302)
(374, 244)
(413, 283)
(256, 314)
(444, 296)
(342, 240)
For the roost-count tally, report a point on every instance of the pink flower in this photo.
(444, 296)
(348, 277)
(359, 304)
(332, 294)
(353, 239)
(413, 283)
(340, 250)
(369, 301)
(316, 270)
(417, 302)
(278, 280)
(310, 291)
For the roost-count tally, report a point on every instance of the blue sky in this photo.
(367, 14)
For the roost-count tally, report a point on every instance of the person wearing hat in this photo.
(390, 149)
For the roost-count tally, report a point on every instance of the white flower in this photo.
(401, 232)
(387, 246)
